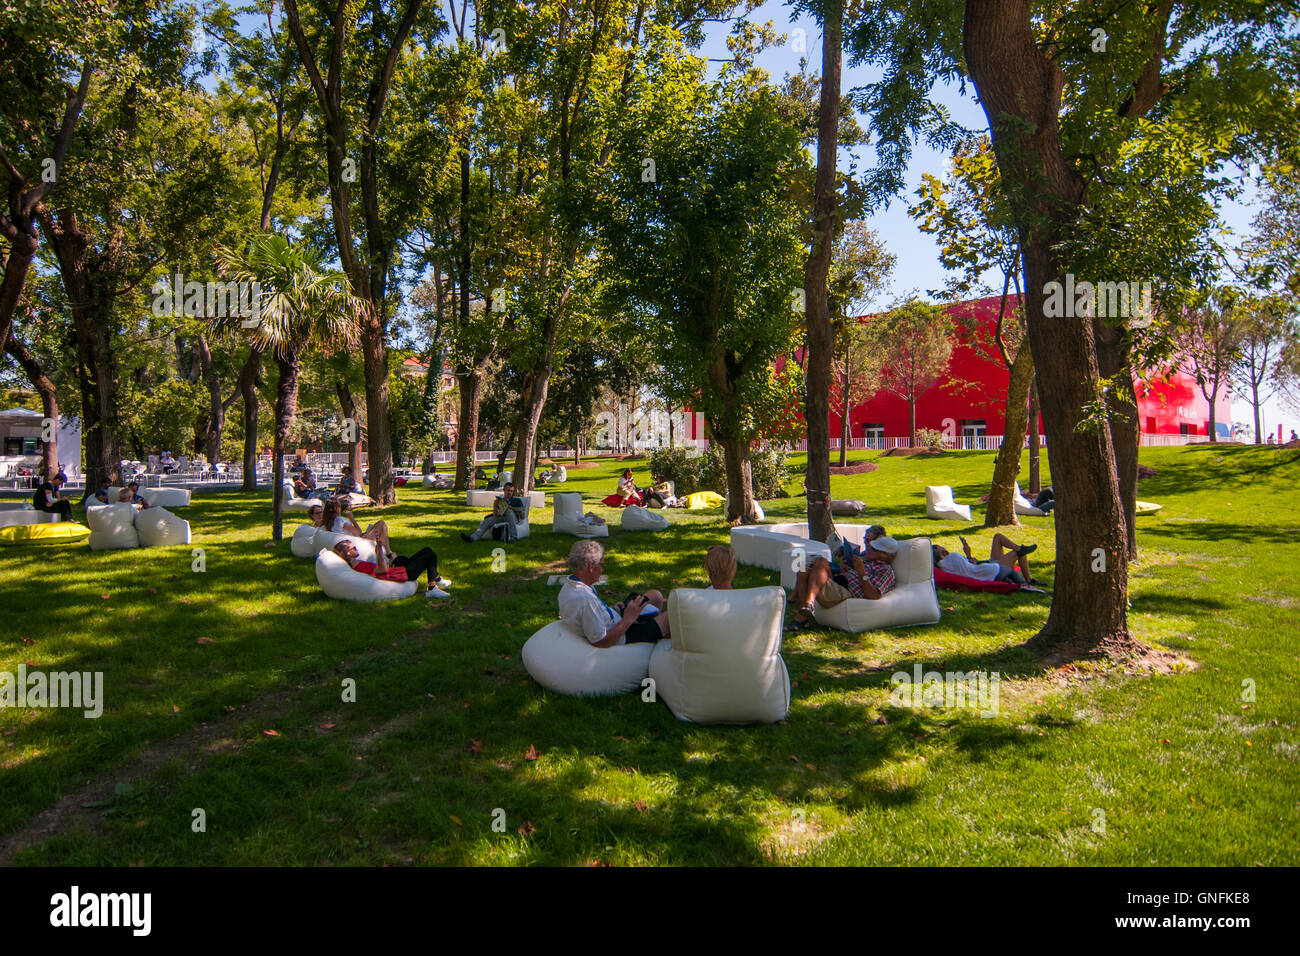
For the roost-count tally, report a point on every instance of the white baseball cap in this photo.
(885, 544)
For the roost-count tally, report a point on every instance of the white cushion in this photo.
(939, 504)
(758, 508)
(159, 528)
(1024, 506)
(303, 544)
(723, 663)
(568, 517)
(339, 581)
(9, 518)
(166, 497)
(562, 660)
(913, 601)
(324, 540)
(482, 498)
(112, 526)
(636, 518)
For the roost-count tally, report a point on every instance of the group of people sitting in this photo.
(641, 617)
(304, 484)
(658, 495)
(49, 496)
(335, 515)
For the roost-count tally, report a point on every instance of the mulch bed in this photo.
(1145, 471)
(860, 468)
(917, 450)
(582, 464)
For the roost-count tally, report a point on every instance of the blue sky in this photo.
(918, 262)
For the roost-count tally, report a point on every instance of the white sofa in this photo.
(785, 547)
(166, 497)
(568, 517)
(112, 526)
(159, 528)
(913, 601)
(340, 582)
(482, 498)
(722, 663)
(939, 504)
(562, 660)
(12, 517)
(636, 518)
(324, 540)
(1024, 506)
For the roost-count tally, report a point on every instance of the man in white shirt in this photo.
(1004, 556)
(635, 621)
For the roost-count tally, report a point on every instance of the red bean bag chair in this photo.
(955, 582)
(399, 482)
(616, 500)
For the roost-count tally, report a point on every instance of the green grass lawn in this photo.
(449, 734)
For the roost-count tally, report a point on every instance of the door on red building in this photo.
(973, 433)
(873, 433)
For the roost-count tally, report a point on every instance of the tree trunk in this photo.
(1035, 476)
(215, 423)
(845, 411)
(1001, 507)
(286, 407)
(1213, 398)
(821, 335)
(1020, 89)
(1113, 363)
(49, 400)
(1254, 404)
(911, 421)
(529, 419)
(249, 378)
(471, 385)
(740, 485)
(23, 243)
(504, 453)
(348, 406)
(379, 439)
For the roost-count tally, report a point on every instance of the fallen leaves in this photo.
(271, 733)
(326, 727)
(531, 753)
(474, 746)
(527, 828)
(206, 640)
(641, 806)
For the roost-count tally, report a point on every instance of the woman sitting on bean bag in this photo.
(627, 493)
(337, 517)
(401, 569)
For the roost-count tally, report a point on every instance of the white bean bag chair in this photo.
(291, 502)
(324, 540)
(848, 507)
(112, 526)
(303, 543)
(939, 504)
(159, 528)
(782, 547)
(561, 659)
(636, 518)
(560, 474)
(568, 518)
(1023, 505)
(482, 498)
(340, 582)
(913, 601)
(723, 662)
(166, 497)
(438, 481)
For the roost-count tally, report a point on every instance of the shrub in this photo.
(708, 472)
(678, 466)
(931, 437)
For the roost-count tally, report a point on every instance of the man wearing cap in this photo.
(869, 576)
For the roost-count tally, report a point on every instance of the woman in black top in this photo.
(47, 499)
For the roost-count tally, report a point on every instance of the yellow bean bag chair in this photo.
(58, 532)
(704, 499)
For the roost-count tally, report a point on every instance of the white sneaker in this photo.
(436, 593)
(443, 582)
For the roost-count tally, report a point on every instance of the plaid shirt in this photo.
(878, 573)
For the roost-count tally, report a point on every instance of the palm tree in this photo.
(300, 302)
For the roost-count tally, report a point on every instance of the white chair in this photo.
(636, 518)
(912, 602)
(785, 547)
(291, 501)
(722, 663)
(568, 518)
(342, 583)
(166, 497)
(1024, 506)
(482, 498)
(158, 527)
(939, 504)
(112, 526)
(562, 660)
(302, 544)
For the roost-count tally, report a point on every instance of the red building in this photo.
(969, 402)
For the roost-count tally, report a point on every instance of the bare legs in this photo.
(1007, 553)
(808, 585)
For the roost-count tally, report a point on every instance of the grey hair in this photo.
(584, 554)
